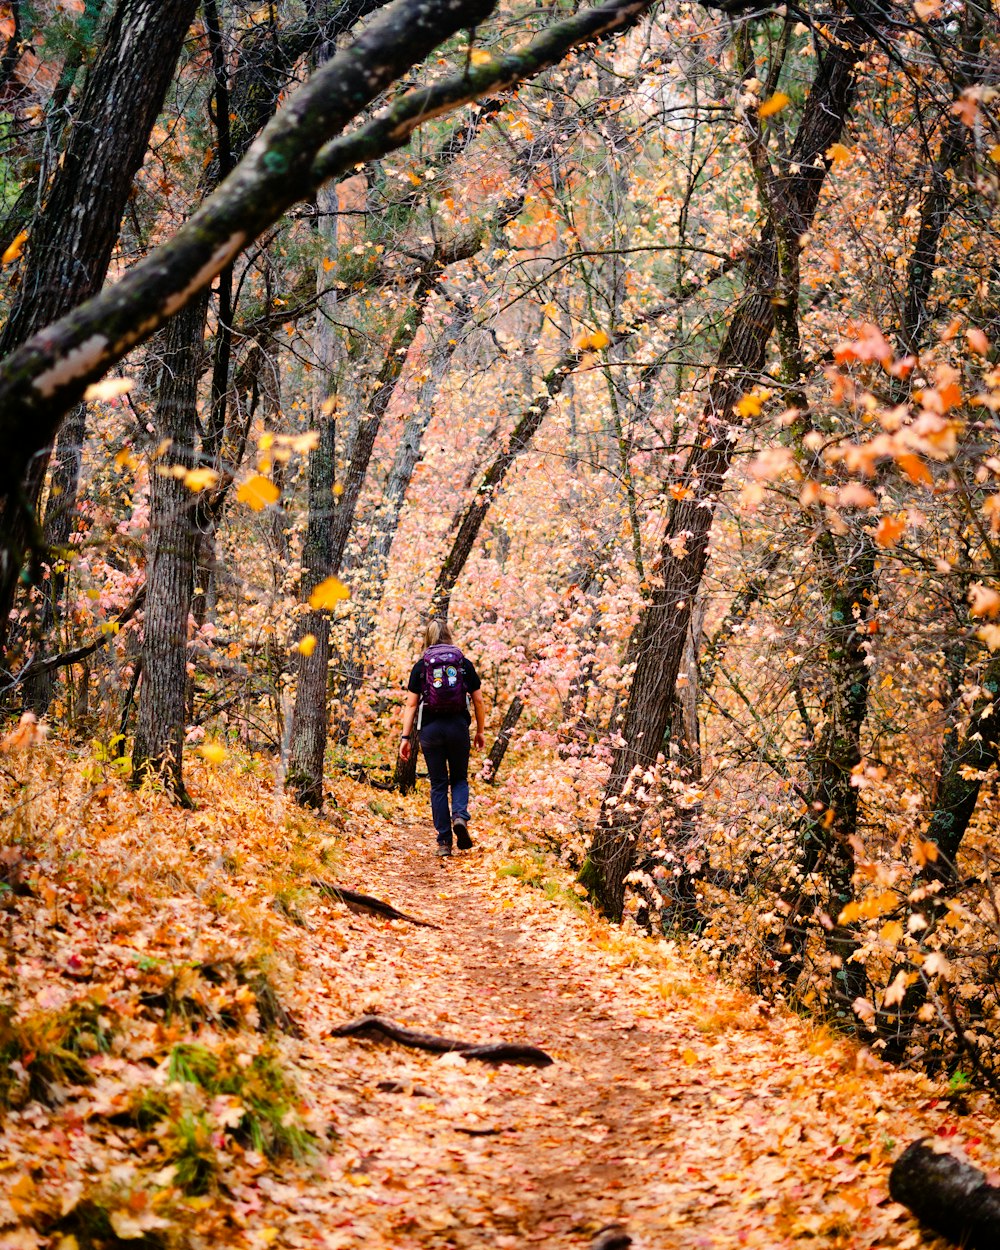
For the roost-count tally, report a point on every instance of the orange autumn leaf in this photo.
(16, 248)
(890, 531)
(776, 103)
(983, 601)
(915, 469)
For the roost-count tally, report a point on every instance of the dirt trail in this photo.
(676, 1107)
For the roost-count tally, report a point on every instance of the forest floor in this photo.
(683, 1109)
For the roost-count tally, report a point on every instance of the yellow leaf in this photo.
(776, 103)
(891, 933)
(850, 913)
(598, 340)
(896, 992)
(749, 406)
(836, 153)
(689, 1056)
(328, 594)
(990, 634)
(479, 56)
(995, 154)
(258, 493)
(327, 264)
(304, 443)
(16, 248)
(200, 479)
(925, 9)
(213, 752)
(108, 388)
(306, 645)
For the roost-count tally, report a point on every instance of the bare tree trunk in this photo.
(309, 718)
(159, 739)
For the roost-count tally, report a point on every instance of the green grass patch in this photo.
(534, 873)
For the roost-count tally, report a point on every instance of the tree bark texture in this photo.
(830, 821)
(309, 718)
(57, 529)
(159, 739)
(71, 241)
(948, 1195)
(662, 629)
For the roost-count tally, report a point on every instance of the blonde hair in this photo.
(436, 631)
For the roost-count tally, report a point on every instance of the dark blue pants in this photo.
(445, 744)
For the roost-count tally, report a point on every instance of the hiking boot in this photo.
(462, 839)
(444, 849)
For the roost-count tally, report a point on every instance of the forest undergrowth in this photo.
(169, 1078)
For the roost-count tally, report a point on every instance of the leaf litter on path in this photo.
(678, 1107)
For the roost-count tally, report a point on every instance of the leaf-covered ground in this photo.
(149, 1103)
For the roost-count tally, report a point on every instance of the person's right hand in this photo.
(404, 749)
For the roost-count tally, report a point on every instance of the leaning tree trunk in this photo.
(663, 625)
(302, 147)
(499, 748)
(159, 739)
(71, 240)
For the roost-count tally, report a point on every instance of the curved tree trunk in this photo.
(662, 629)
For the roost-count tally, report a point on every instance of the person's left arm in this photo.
(479, 707)
(409, 716)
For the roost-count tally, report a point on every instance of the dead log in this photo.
(947, 1195)
(379, 1028)
(364, 904)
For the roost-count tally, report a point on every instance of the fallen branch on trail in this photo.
(948, 1195)
(493, 1052)
(365, 905)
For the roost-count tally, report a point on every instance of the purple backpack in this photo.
(444, 679)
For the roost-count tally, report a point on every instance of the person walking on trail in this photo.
(440, 681)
